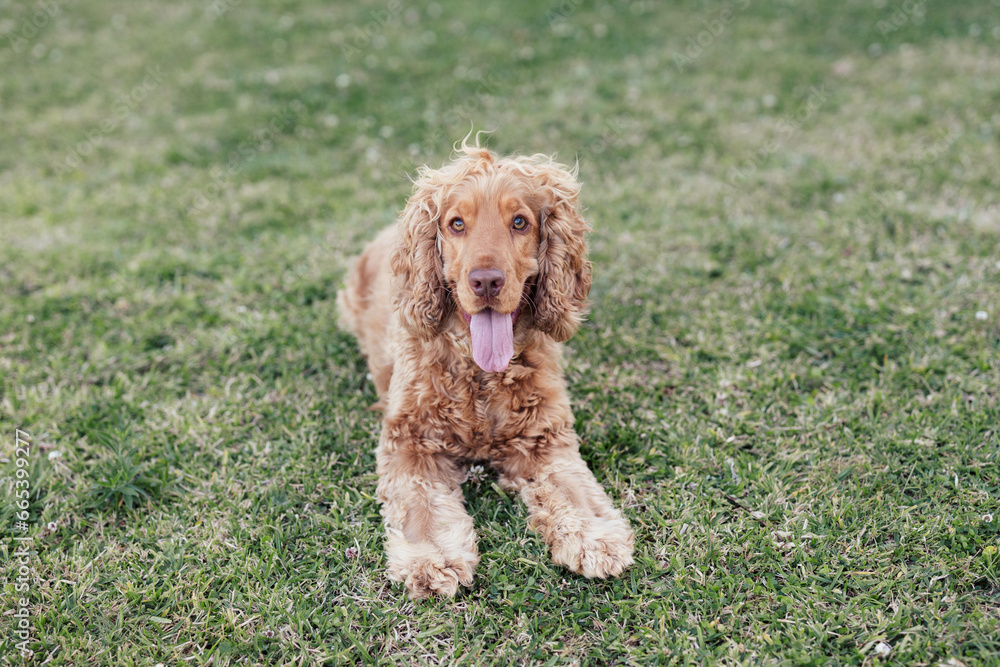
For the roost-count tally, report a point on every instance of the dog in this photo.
(460, 310)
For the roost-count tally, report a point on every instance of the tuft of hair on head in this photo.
(465, 148)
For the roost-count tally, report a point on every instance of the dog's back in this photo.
(365, 306)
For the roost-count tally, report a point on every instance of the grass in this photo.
(789, 379)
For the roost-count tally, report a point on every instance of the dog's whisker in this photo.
(527, 298)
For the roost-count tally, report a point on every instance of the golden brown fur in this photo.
(407, 301)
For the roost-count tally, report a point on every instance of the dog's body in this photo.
(485, 269)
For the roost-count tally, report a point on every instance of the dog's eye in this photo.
(520, 223)
(458, 225)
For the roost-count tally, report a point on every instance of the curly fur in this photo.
(405, 301)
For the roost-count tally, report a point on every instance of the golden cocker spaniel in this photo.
(460, 309)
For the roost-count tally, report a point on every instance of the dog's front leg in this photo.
(430, 540)
(574, 515)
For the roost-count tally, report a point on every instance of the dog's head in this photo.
(500, 241)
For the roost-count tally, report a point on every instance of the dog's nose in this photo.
(486, 282)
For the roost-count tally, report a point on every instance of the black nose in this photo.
(486, 282)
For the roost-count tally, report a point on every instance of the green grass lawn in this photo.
(789, 379)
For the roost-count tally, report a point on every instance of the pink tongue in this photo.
(492, 339)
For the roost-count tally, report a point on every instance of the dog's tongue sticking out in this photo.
(492, 339)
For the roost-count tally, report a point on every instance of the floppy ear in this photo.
(419, 293)
(564, 273)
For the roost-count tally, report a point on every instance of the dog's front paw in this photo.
(602, 549)
(428, 577)
(605, 557)
(426, 571)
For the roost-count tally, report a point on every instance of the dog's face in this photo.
(499, 241)
(489, 235)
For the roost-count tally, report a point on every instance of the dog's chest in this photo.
(497, 409)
